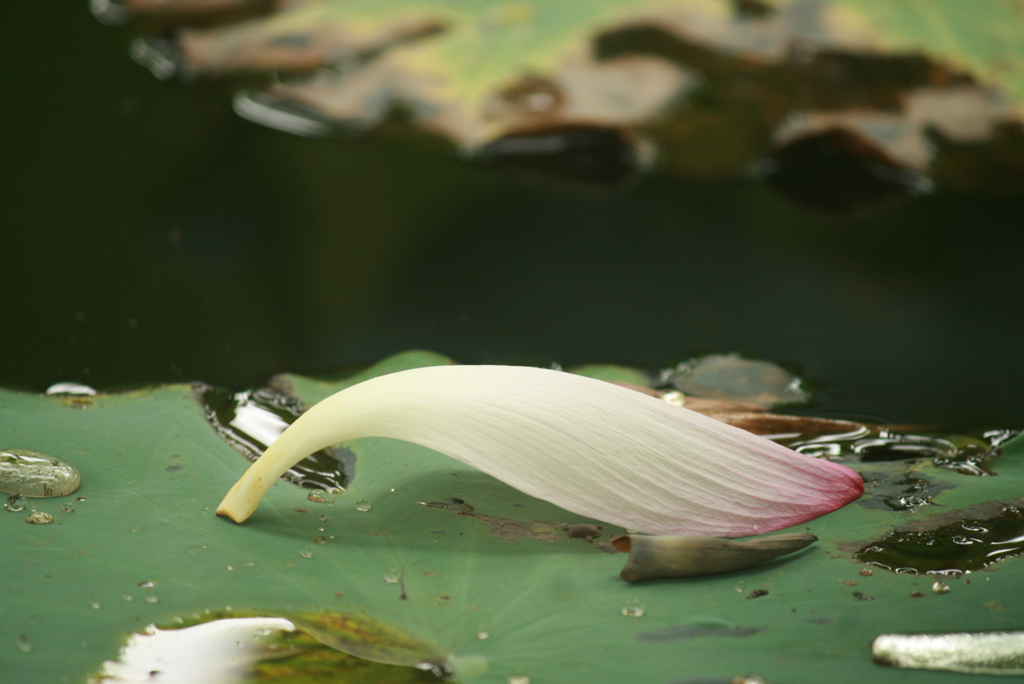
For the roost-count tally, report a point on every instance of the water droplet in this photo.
(39, 518)
(363, 505)
(14, 504)
(95, 605)
(321, 539)
(323, 518)
(24, 646)
(518, 679)
(152, 599)
(741, 587)
(317, 496)
(70, 388)
(674, 397)
(306, 552)
(127, 597)
(147, 585)
(634, 608)
(67, 507)
(392, 576)
(81, 498)
(483, 634)
(31, 473)
(940, 588)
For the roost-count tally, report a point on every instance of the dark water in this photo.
(150, 235)
(252, 420)
(963, 546)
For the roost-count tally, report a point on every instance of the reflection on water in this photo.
(964, 546)
(965, 455)
(251, 420)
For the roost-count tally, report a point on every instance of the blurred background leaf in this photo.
(882, 99)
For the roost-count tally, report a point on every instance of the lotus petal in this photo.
(589, 446)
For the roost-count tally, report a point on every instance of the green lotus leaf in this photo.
(445, 554)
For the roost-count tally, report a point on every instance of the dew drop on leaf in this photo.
(72, 388)
(634, 608)
(39, 518)
(392, 576)
(306, 552)
(32, 473)
(363, 505)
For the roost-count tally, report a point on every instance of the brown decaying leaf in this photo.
(659, 557)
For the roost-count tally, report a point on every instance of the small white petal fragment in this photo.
(1000, 653)
(211, 653)
(589, 446)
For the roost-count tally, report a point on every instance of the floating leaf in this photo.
(731, 377)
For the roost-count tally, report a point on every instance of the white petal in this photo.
(589, 446)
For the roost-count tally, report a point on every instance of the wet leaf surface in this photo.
(550, 609)
(364, 637)
(317, 663)
(696, 631)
